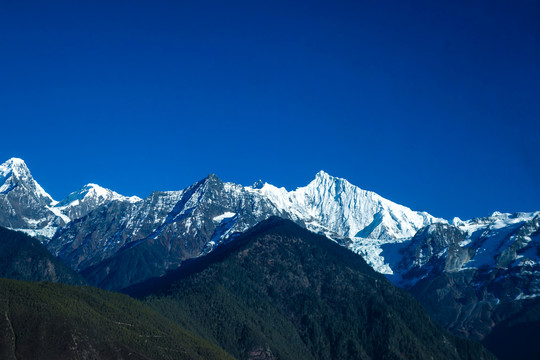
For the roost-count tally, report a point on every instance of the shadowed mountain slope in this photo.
(25, 258)
(280, 291)
(57, 321)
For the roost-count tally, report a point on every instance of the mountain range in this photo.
(470, 275)
(95, 229)
(277, 291)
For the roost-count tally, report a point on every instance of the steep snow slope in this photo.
(23, 202)
(14, 173)
(337, 208)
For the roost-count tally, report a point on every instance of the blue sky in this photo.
(434, 105)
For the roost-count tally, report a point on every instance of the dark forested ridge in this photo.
(23, 257)
(280, 291)
(57, 321)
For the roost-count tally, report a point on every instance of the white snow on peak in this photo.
(497, 220)
(89, 197)
(96, 193)
(334, 206)
(15, 170)
(16, 167)
(347, 210)
(15, 162)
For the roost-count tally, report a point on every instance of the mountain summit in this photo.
(26, 206)
(81, 202)
(14, 173)
(23, 202)
(335, 207)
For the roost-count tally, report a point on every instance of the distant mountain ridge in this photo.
(94, 224)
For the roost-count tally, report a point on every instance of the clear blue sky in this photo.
(434, 105)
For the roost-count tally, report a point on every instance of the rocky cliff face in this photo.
(473, 275)
(434, 249)
(166, 227)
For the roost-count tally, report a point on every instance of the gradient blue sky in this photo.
(431, 104)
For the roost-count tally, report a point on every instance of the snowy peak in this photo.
(323, 175)
(325, 182)
(95, 193)
(89, 197)
(14, 173)
(501, 241)
(23, 202)
(25, 206)
(16, 166)
(360, 213)
(341, 208)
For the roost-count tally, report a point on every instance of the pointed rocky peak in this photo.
(212, 177)
(327, 181)
(15, 174)
(211, 182)
(14, 167)
(323, 175)
(195, 193)
(258, 184)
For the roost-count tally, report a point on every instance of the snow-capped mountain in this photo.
(23, 202)
(337, 208)
(341, 208)
(81, 202)
(167, 227)
(479, 271)
(93, 224)
(187, 223)
(27, 207)
(471, 275)
(499, 241)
